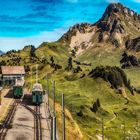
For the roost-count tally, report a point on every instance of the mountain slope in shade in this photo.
(1, 52)
(116, 26)
(133, 44)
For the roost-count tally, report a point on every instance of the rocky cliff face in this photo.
(79, 37)
(113, 17)
(81, 28)
(119, 23)
(116, 26)
(133, 44)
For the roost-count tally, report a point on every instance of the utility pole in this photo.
(124, 131)
(51, 125)
(31, 77)
(0, 97)
(54, 115)
(54, 127)
(48, 91)
(63, 117)
(53, 97)
(48, 104)
(102, 129)
(36, 73)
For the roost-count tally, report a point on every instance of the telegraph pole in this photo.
(124, 132)
(63, 117)
(48, 104)
(54, 115)
(51, 125)
(102, 129)
(36, 73)
(0, 97)
(54, 97)
(54, 128)
(48, 91)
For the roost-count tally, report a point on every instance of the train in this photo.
(37, 94)
(18, 88)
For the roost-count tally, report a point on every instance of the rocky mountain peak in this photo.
(114, 7)
(114, 14)
(117, 24)
(119, 8)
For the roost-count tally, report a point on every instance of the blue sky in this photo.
(24, 22)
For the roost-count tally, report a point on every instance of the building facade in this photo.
(9, 74)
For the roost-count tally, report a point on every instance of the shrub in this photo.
(114, 75)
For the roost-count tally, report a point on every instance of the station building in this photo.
(9, 74)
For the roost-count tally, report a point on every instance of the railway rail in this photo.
(36, 112)
(38, 130)
(7, 122)
(37, 121)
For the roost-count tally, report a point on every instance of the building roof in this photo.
(12, 70)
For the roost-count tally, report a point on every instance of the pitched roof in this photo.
(12, 70)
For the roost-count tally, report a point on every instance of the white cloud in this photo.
(8, 43)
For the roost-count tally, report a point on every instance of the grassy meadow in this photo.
(81, 93)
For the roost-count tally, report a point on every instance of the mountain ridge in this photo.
(116, 26)
(1, 52)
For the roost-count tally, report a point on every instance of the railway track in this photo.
(7, 122)
(38, 130)
(37, 121)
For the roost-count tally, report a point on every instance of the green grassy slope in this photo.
(105, 55)
(81, 93)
